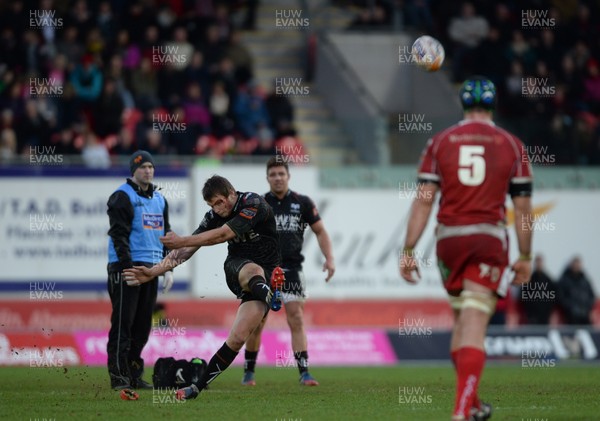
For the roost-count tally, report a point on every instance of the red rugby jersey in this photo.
(474, 162)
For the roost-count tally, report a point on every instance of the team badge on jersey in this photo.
(152, 221)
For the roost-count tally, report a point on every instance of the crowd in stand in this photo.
(543, 56)
(173, 77)
(110, 77)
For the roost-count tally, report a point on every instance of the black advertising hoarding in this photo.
(530, 345)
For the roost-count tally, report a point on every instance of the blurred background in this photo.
(217, 87)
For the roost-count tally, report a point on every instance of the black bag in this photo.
(172, 373)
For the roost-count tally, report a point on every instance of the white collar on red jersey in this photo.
(470, 120)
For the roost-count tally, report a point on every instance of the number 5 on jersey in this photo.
(471, 171)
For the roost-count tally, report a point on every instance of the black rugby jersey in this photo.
(253, 222)
(293, 214)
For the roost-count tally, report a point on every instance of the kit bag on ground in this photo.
(172, 373)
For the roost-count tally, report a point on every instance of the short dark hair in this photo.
(277, 161)
(216, 185)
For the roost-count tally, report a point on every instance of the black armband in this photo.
(520, 189)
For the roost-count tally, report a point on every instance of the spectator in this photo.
(179, 49)
(81, 18)
(575, 294)
(226, 74)
(33, 130)
(280, 109)
(31, 53)
(591, 85)
(467, 31)
(95, 44)
(109, 110)
(503, 20)
(197, 72)
(495, 66)
(250, 111)
(240, 57)
(222, 23)
(145, 86)
(124, 145)
(153, 142)
(520, 49)
(149, 44)
(515, 106)
(197, 115)
(9, 48)
(212, 49)
(64, 142)
(57, 71)
(130, 53)
(166, 17)
(8, 144)
(572, 81)
(7, 119)
(94, 153)
(14, 98)
(538, 297)
(548, 52)
(120, 77)
(582, 26)
(580, 54)
(69, 46)
(107, 22)
(139, 18)
(87, 80)
(69, 110)
(220, 110)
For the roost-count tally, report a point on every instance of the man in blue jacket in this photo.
(138, 216)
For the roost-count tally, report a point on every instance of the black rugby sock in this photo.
(218, 363)
(250, 357)
(302, 361)
(260, 289)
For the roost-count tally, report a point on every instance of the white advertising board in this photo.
(55, 228)
(367, 228)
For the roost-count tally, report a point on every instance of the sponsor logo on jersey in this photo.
(295, 207)
(248, 213)
(152, 221)
(289, 223)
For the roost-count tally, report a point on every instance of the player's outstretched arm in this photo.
(524, 230)
(207, 238)
(326, 248)
(138, 275)
(417, 221)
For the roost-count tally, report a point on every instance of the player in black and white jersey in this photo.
(293, 214)
(246, 222)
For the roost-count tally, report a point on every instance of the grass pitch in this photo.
(407, 392)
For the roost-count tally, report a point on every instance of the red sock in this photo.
(476, 401)
(469, 365)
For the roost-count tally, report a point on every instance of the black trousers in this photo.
(130, 325)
